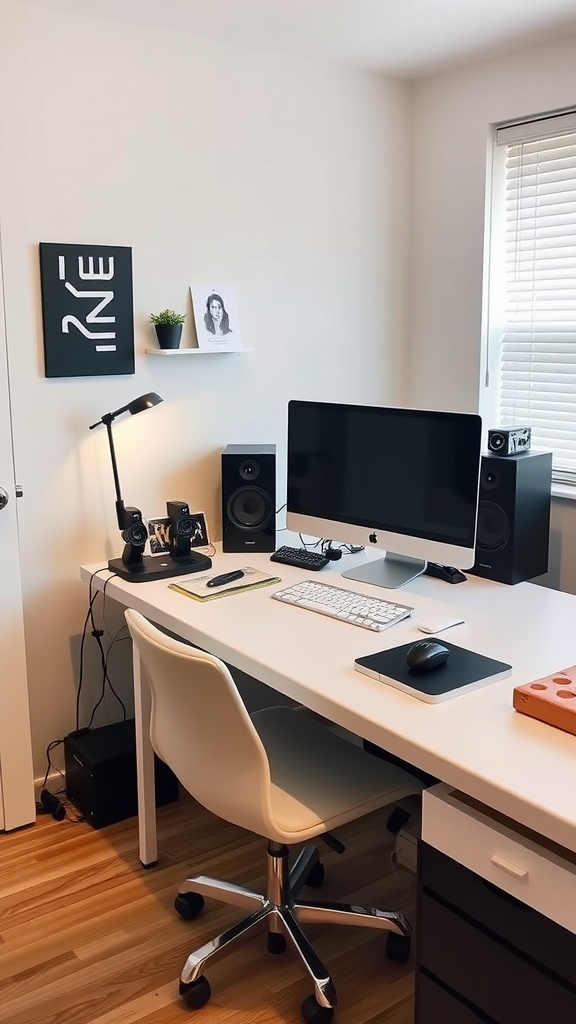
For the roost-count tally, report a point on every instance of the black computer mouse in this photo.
(426, 655)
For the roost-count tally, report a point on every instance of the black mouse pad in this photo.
(464, 671)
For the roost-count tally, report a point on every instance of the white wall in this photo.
(451, 114)
(283, 177)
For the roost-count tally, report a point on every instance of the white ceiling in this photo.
(407, 38)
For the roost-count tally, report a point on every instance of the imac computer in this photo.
(402, 480)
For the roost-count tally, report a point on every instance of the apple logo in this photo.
(373, 538)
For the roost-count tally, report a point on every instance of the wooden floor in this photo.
(87, 936)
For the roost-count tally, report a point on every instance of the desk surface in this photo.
(475, 742)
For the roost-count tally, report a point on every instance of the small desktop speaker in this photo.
(178, 512)
(182, 526)
(134, 531)
(509, 440)
(249, 497)
(513, 528)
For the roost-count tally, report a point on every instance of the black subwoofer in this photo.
(100, 770)
(513, 530)
(249, 497)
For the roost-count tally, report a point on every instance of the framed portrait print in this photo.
(216, 318)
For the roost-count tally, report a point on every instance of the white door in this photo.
(17, 805)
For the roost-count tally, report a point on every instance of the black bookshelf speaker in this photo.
(249, 497)
(513, 529)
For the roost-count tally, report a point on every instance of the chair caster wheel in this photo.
(195, 993)
(188, 905)
(397, 819)
(276, 942)
(398, 947)
(316, 875)
(315, 1014)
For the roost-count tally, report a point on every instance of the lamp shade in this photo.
(140, 404)
(147, 401)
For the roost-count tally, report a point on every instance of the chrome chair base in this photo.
(282, 913)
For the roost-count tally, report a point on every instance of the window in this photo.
(532, 294)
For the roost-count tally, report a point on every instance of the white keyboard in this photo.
(370, 612)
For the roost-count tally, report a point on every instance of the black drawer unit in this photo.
(442, 1007)
(486, 956)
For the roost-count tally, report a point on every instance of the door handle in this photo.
(4, 498)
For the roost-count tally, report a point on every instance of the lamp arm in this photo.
(107, 421)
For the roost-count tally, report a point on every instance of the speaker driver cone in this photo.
(493, 529)
(249, 508)
(496, 441)
(185, 526)
(249, 470)
(136, 534)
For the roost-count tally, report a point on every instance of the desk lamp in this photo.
(133, 565)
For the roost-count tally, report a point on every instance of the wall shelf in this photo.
(194, 351)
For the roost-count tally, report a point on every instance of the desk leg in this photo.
(144, 768)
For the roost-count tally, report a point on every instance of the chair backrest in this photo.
(202, 730)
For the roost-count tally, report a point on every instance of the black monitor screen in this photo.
(409, 472)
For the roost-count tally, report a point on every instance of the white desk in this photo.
(475, 742)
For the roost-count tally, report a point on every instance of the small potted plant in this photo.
(168, 327)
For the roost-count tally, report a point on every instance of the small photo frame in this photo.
(159, 536)
(216, 318)
(199, 538)
(159, 533)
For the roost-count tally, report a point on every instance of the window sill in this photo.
(564, 491)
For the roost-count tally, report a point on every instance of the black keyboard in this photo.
(300, 557)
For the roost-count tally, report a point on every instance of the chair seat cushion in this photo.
(321, 780)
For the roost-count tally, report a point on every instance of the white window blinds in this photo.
(538, 353)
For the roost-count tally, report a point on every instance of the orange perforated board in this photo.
(551, 699)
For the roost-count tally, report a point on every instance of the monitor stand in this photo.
(392, 571)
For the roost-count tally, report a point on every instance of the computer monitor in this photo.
(404, 480)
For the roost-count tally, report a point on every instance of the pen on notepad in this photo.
(227, 577)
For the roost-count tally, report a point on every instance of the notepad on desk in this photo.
(197, 586)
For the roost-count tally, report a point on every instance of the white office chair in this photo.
(278, 773)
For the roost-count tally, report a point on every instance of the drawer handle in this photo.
(511, 869)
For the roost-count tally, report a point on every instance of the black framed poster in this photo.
(87, 309)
